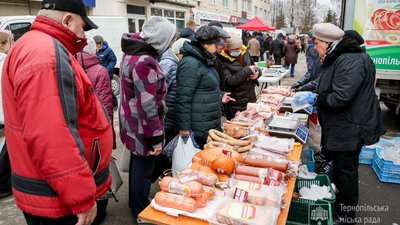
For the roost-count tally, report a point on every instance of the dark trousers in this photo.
(67, 220)
(5, 171)
(277, 59)
(140, 177)
(345, 177)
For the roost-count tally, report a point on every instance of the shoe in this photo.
(5, 194)
(324, 168)
(139, 221)
(319, 157)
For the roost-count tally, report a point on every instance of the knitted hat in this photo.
(158, 32)
(215, 23)
(177, 45)
(98, 39)
(208, 35)
(327, 32)
(234, 42)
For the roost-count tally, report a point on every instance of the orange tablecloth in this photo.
(157, 217)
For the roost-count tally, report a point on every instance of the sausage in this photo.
(173, 185)
(174, 201)
(251, 171)
(222, 177)
(265, 163)
(249, 178)
(220, 134)
(245, 148)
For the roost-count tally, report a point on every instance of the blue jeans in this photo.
(291, 69)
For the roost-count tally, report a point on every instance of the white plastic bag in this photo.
(183, 154)
(314, 136)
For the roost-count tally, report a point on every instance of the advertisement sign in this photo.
(378, 21)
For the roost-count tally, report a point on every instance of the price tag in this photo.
(240, 195)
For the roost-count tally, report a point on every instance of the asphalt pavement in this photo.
(379, 202)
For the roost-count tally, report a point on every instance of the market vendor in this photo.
(348, 110)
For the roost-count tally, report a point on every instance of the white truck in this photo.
(110, 28)
(378, 21)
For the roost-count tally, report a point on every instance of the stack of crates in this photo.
(386, 170)
(367, 155)
(303, 211)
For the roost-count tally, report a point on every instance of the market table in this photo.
(161, 218)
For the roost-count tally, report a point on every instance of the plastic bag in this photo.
(302, 100)
(169, 148)
(125, 160)
(183, 154)
(314, 136)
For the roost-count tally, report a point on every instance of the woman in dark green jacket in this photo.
(198, 98)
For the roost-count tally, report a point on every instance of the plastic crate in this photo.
(367, 155)
(385, 166)
(311, 162)
(297, 213)
(261, 64)
(385, 176)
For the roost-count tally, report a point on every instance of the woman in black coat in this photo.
(239, 75)
(291, 55)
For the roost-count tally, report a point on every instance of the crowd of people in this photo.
(171, 84)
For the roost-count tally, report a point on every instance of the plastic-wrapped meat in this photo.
(271, 99)
(277, 145)
(282, 90)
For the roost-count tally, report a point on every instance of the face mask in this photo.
(234, 54)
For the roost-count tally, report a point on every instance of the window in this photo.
(212, 2)
(255, 10)
(225, 3)
(176, 17)
(235, 5)
(249, 8)
(244, 4)
(265, 15)
(19, 29)
(134, 9)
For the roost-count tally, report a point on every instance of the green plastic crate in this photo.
(299, 212)
(261, 64)
(303, 211)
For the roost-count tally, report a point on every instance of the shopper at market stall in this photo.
(198, 97)
(240, 76)
(291, 54)
(348, 111)
(142, 110)
(52, 116)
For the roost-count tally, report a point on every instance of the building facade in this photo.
(229, 12)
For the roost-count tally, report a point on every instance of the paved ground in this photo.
(373, 193)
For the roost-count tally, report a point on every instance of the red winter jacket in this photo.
(59, 137)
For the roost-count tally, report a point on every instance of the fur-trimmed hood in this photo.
(346, 45)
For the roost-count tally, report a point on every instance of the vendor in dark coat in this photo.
(198, 96)
(348, 110)
(240, 76)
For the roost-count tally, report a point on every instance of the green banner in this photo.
(378, 21)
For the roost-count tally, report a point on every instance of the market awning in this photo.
(256, 24)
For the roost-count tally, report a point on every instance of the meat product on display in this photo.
(277, 145)
(282, 90)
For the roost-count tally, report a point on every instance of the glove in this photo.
(295, 86)
(311, 98)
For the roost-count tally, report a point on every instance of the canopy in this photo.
(256, 24)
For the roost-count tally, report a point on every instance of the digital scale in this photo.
(301, 116)
(286, 106)
(287, 127)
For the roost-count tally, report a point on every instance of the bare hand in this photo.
(87, 217)
(227, 98)
(156, 150)
(184, 133)
(254, 76)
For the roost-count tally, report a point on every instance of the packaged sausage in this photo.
(258, 194)
(237, 213)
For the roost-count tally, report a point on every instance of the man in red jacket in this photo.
(59, 136)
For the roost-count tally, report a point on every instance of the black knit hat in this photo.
(74, 6)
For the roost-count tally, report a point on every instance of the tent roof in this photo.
(256, 24)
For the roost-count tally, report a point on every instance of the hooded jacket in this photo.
(187, 33)
(143, 90)
(236, 75)
(348, 107)
(291, 52)
(169, 65)
(107, 58)
(278, 46)
(59, 136)
(198, 98)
